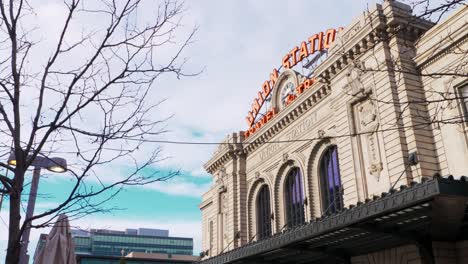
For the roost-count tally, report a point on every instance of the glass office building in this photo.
(105, 243)
(108, 246)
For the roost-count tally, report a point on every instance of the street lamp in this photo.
(54, 164)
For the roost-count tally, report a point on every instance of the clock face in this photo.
(286, 90)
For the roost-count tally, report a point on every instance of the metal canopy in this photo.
(435, 209)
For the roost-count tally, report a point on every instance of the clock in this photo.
(286, 91)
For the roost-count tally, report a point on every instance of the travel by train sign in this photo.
(316, 43)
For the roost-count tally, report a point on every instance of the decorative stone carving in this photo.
(224, 211)
(285, 157)
(220, 176)
(222, 189)
(367, 113)
(367, 123)
(354, 84)
(222, 171)
(375, 170)
(257, 175)
(374, 156)
(321, 133)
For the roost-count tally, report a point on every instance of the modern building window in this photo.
(464, 99)
(294, 198)
(263, 213)
(330, 182)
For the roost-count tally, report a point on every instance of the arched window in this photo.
(294, 198)
(330, 182)
(263, 213)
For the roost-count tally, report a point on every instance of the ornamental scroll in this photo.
(367, 124)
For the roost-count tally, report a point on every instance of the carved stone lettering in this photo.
(269, 151)
(299, 130)
(296, 132)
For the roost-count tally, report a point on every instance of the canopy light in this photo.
(12, 159)
(54, 164)
(57, 164)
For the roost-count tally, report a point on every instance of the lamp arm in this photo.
(6, 166)
(7, 182)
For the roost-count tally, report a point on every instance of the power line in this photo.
(421, 125)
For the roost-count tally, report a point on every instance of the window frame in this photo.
(463, 89)
(263, 212)
(324, 180)
(294, 212)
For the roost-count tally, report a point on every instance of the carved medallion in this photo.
(257, 175)
(367, 114)
(321, 133)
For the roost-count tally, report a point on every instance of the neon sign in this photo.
(316, 43)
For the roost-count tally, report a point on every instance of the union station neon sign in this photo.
(316, 43)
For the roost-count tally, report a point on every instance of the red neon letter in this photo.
(329, 38)
(273, 77)
(286, 62)
(304, 52)
(293, 54)
(312, 44)
(266, 88)
(255, 106)
(320, 41)
(250, 118)
(300, 88)
(261, 99)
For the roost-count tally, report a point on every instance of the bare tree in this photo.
(89, 96)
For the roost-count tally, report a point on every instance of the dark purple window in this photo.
(263, 213)
(330, 181)
(294, 198)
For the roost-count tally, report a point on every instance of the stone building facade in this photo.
(389, 108)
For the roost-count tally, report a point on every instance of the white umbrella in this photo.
(59, 247)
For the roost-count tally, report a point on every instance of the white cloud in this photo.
(180, 187)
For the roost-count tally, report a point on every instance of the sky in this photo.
(237, 45)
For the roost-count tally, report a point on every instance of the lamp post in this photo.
(54, 164)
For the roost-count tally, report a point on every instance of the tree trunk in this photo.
(14, 235)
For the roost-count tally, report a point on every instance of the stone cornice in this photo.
(205, 203)
(442, 38)
(381, 23)
(219, 158)
(227, 150)
(311, 97)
